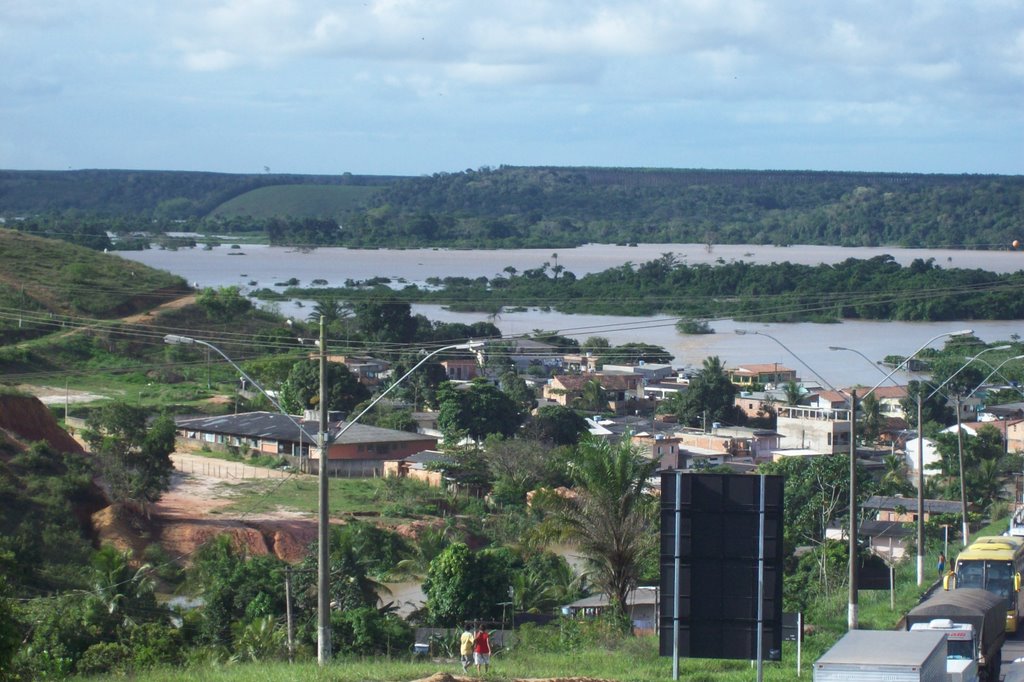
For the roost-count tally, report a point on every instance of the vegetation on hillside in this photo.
(43, 282)
(511, 207)
(158, 195)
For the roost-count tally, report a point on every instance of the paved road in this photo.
(1013, 650)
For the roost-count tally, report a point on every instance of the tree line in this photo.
(878, 288)
(514, 207)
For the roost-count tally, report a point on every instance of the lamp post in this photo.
(852, 607)
(323, 440)
(920, 451)
(965, 526)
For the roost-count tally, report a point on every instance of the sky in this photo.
(416, 87)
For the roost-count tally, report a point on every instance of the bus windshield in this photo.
(994, 576)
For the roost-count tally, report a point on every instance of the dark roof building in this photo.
(360, 451)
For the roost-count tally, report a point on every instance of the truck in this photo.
(961, 656)
(974, 622)
(891, 655)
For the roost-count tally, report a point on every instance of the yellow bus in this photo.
(995, 564)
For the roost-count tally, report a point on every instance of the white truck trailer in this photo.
(890, 655)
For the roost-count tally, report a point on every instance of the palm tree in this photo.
(332, 310)
(872, 421)
(593, 396)
(430, 542)
(117, 585)
(793, 393)
(610, 516)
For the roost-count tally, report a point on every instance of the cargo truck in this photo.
(974, 621)
(890, 655)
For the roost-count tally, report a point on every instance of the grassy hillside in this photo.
(297, 201)
(41, 279)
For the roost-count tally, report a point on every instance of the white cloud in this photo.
(647, 66)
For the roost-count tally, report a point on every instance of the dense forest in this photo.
(878, 288)
(156, 195)
(511, 207)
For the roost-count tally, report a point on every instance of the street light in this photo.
(852, 607)
(921, 451)
(868, 360)
(965, 527)
(178, 340)
(744, 332)
(324, 440)
(995, 370)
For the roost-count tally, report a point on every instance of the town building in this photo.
(360, 451)
(752, 375)
(622, 391)
(642, 607)
(822, 429)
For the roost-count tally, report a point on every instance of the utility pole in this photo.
(920, 489)
(852, 615)
(288, 612)
(323, 566)
(963, 487)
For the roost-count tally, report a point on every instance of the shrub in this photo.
(106, 657)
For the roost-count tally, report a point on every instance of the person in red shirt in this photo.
(482, 650)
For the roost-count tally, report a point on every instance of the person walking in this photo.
(482, 650)
(942, 563)
(466, 643)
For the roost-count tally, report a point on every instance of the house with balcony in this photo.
(751, 375)
(755, 403)
(817, 428)
(579, 362)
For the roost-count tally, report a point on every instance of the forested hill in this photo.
(579, 205)
(149, 194)
(544, 206)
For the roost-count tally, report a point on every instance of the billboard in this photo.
(719, 550)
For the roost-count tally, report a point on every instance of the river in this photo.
(265, 265)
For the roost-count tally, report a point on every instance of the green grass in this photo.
(300, 493)
(297, 201)
(634, 660)
(86, 283)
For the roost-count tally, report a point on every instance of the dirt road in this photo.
(191, 512)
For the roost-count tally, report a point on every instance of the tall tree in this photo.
(556, 425)
(476, 411)
(385, 321)
(463, 585)
(610, 516)
(301, 390)
(517, 466)
(514, 386)
(710, 397)
(135, 457)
